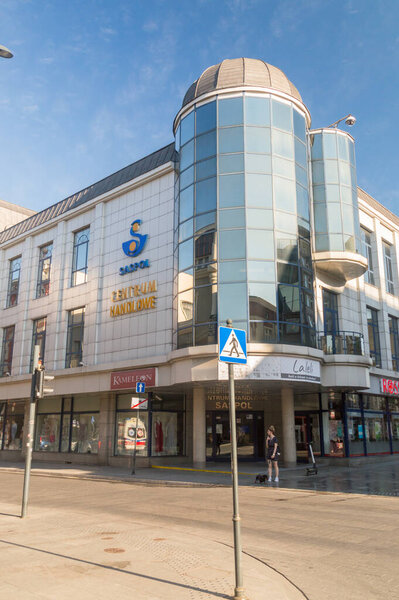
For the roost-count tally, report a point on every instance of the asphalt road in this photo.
(329, 545)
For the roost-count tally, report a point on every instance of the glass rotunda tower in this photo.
(243, 214)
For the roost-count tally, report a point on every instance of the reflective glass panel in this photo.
(288, 303)
(345, 175)
(231, 139)
(283, 144)
(285, 221)
(185, 337)
(302, 202)
(187, 128)
(283, 167)
(287, 273)
(186, 203)
(186, 177)
(301, 176)
(260, 244)
(185, 307)
(206, 274)
(299, 125)
(206, 117)
(232, 270)
(230, 111)
(343, 149)
(263, 332)
(257, 111)
(205, 248)
(261, 270)
(262, 301)
(334, 217)
(205, 334)
(329, 145)
(347, 218)
(205, 222)
(320, 218)
(258, 163)
(206, 168)
(205, 145)
(259, 219)
(318, 172)
(126, 437)
(281, 116)
(287, 247)
(316, 146)
(257, 140)
(187, 155)
(185, 254)
(232, 244)
(259, 190)
(186, 230)
(300, 153)
(231, 163)
(205, 195)
(205, 304)
(231, 218)
(319, 193)
(231, 190)
(331, 171)
(185, 280)
(284, 194)
(233, 301)
(332, 193)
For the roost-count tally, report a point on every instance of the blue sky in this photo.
(95, 84)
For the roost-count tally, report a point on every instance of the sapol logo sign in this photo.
(134, 247)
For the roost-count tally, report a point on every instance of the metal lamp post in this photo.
(5, 52)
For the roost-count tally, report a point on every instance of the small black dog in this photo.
(260, 478)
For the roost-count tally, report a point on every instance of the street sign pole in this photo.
(30, 437)
(239, 589)
(135, 442)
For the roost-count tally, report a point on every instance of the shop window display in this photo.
(14, 426)
(48, 433)
(126, 424)
(167, 433)
(84, 438)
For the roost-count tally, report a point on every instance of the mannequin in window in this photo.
(158, 436)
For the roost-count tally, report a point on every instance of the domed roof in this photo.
(240, 72)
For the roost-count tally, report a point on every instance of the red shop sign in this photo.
(390, 386)
(126, 380)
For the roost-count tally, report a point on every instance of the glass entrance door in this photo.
(250, 435)
(307, 430)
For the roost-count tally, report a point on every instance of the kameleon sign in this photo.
(126, 380)
(389, 386)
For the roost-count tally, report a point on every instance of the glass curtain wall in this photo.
(243, 172)
(336, 220)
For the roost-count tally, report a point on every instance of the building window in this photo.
(68, 425)
(388, 268)
(6, 350)
(11, 425)
(374, 336)
(38, 339)
(75, 337)
(160, 426)
(394, 336)
(43, 276)
(13, 281)
(367, 253)
(80, 254)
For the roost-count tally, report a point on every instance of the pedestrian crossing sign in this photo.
(232, 345)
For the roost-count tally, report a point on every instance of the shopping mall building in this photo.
(250, 214)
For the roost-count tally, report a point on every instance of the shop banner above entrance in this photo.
(127, 380)
(278, 368)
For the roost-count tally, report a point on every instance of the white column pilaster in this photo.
(199, 426)
(288, 421)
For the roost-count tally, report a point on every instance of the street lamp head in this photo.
(5, 52)
(350, 120)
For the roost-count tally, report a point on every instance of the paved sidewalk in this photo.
(376, 478)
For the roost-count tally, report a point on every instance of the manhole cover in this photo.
(114, 550)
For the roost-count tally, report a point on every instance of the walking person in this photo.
(273, 453)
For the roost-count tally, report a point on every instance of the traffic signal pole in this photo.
(30, 437)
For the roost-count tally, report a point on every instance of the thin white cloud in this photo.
(150, 27)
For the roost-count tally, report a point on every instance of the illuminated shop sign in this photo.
(389, 386)
(133, 299)
(126, 380)
(133, 248)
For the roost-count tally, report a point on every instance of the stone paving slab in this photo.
(73, 556)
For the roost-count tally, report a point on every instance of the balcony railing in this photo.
(342, 342)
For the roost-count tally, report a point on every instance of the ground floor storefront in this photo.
(191, 423)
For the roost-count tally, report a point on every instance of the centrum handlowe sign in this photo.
(126, 380)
